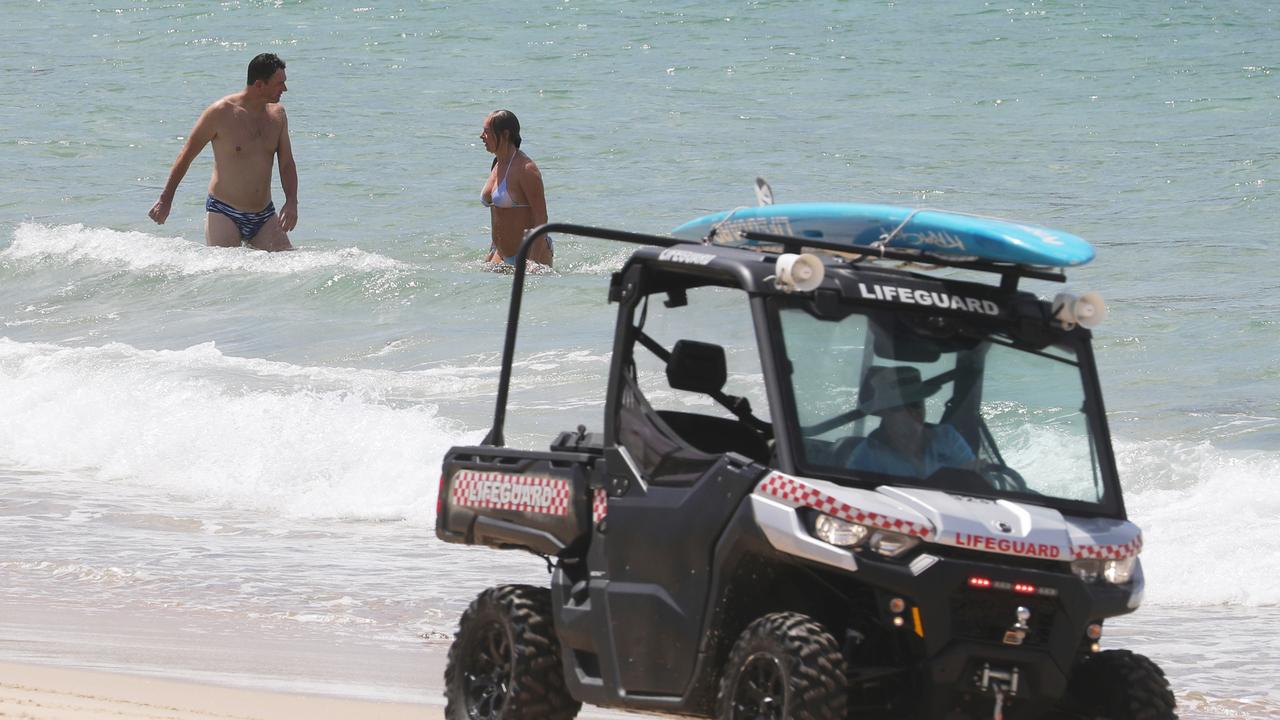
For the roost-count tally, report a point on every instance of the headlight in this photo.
(834, 531)
(891, 544)
(842, 533)
(1116, 572)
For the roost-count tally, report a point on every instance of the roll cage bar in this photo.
(517, 294)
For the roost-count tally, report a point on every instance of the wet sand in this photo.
(63, 661)
(38, 692)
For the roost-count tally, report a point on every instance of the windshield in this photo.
(910, 399)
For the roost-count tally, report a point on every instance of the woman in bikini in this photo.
(513, 193)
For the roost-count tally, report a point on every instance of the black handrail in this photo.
(517, 292)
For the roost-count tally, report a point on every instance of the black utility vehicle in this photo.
(920, 518)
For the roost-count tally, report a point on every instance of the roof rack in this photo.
(1008, 272)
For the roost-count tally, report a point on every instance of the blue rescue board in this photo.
(933, 232)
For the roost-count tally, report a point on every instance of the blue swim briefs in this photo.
(249, 223)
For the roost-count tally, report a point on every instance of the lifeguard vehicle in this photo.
(893, 494)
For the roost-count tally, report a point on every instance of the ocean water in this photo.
(251, 442)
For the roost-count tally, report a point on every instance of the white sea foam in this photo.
(1208, 520)
(348, 443)
(594, 265)
(146, 253)
(251, 434)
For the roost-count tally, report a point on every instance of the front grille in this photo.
(985, 616)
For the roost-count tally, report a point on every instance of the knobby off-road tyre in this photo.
(785, 666)
(504, 663)
(1120, 685)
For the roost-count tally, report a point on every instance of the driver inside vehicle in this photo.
(904, 444)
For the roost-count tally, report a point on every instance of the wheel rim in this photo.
(760, 692)
(489, 679)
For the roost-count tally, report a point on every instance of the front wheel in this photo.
(1120, 685)
(504, 663)
(785, 666)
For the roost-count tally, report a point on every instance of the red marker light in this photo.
(1022, 588)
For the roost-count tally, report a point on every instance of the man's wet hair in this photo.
(506, 120)
(263, 67)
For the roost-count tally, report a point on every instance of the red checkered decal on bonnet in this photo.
(502, 491)
(796, 493)
(1108, 552)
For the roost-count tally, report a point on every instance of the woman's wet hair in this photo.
(505, 120)
(263, 67)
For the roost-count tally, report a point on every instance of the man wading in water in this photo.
(248, 130)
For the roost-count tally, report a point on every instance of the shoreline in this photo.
(63, 661)
(42, 692)
(221, 650)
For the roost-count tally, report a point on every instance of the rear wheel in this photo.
(785, 666)
(504, 663)
(1120, 685)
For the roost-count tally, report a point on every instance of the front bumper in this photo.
(974, 636)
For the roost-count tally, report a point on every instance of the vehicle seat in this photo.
(715, 435)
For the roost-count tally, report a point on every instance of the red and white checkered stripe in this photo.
(599, 506)
(1108, 552)
(502, 491)
(796, 493)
